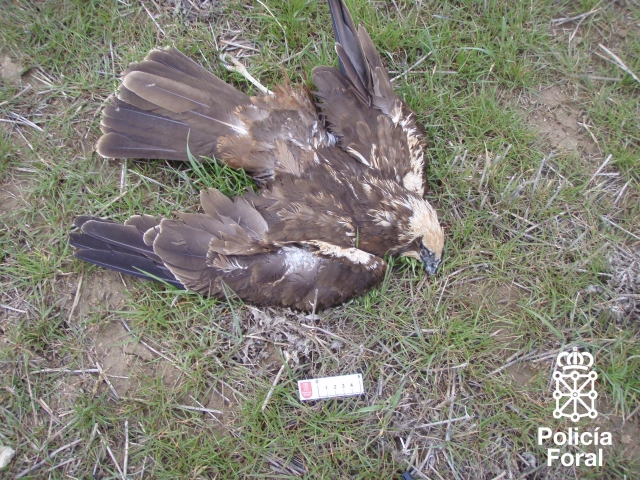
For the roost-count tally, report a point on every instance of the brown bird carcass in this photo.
(341, 180)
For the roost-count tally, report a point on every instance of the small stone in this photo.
(10, 71)
(6, 454)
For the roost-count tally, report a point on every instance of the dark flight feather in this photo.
(341, 181)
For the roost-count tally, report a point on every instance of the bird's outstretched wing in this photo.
(371, 121)
(225, 250)
(168, 101)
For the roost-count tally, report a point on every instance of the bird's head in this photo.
(425, 235)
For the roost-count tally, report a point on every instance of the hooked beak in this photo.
(431, 263)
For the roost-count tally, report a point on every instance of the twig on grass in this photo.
(597, 77)
(33, 403)
(555, 194)
(76, 299)
(445, 422)
(539, 173)
(239, 45)
(604, 164)
(152, 18)
(585, 125)
(66, 370)
(560, 21)
(453, 398)
(62, 464)
(123, 175)
(104, 377)
(28, 87)
(315, 303)
(619, 196)
(442, 293)
(275, 381)
(12, 309)
(446, 369)
(126, 449)
(20, 120)
(113, 457)
(198, 409)
(616, 60)
(512, 360)
(49, 457)
(404, 74)
(621, 228)
(47, 409)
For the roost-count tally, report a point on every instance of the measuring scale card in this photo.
(330, 387)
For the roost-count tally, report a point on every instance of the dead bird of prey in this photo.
(339, 188)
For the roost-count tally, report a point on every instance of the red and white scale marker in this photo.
(331, 387)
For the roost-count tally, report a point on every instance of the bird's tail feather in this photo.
(120, 248)
(164, 101)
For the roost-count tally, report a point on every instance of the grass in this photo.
(527, 272)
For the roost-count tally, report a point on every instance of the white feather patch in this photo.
(413, 182)
(354, 255)
(298, 259)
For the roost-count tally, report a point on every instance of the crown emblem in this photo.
(575, 392)
(575, 360)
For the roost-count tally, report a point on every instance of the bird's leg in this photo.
(237, 67)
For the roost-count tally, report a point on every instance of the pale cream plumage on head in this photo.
(338, 190)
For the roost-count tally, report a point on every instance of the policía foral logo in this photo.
(575, 397)
(575, 392)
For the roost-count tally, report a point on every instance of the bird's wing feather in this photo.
(370, 120)
(227, 247)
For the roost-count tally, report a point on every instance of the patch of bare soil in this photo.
(11, 197)
(104, 289)
(625, 431)
(10, 71)
(522, 373)
(129, 365)
(555, 117)
(126, 362)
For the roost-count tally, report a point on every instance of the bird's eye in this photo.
(426, 252)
